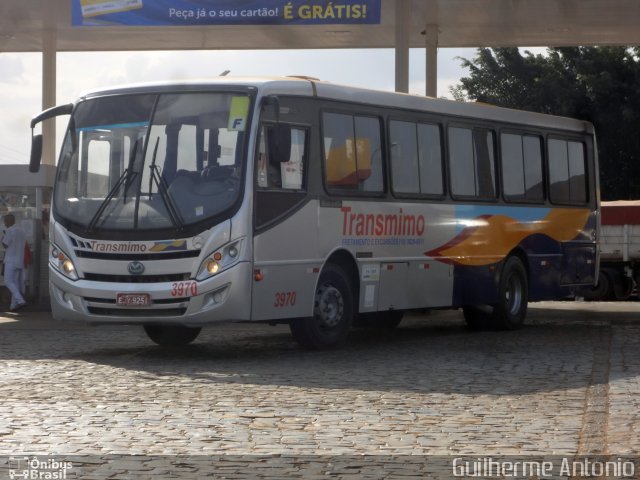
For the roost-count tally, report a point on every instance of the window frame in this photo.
(497, 183)
(587, 170)
(306, 158)
(543, 167)
(346, 192)
(443, 154)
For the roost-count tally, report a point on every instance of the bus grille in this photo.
(160, 307)
(170, 277)
(132, 312)
(137, 256)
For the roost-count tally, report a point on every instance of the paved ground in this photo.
(567, 384)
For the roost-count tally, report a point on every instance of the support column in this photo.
(403, 27)
(431, 36)
(49, 81)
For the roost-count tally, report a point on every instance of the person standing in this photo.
(14, 241)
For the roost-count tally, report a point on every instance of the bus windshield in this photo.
(151, 161)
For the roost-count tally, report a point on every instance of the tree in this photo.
(598, 84)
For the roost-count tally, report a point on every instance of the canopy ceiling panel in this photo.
(460, 23)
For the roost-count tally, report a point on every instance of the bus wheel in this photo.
(513, 295)
(172, 335)
(332, 313)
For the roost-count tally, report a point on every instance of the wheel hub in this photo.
(329, 306)
(513, 295)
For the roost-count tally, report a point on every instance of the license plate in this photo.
(133, 299)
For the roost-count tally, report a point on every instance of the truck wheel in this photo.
(601, 291)
(622, 287)
(332, 313)
(172, 335)
(513, 296)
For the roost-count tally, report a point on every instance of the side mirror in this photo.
(36, 140)
(283, 142)
(36, 153)
(279, 143)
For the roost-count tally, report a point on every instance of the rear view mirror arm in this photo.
(50, 113)
(36, 140)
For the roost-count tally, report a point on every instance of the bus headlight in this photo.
(67, 267)
(219, 260)
(212, 266)
(62, 263)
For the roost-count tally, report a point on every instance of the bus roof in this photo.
(305, 86)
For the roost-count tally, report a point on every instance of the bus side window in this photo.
(461, 164)
(416, 158)
(472, 162)
(281, 157)
(567, 172)
(340, 155)
(352, 152)
(521, 167)
(485, 163)
(430, 156)
(369, 154)
(405, 168)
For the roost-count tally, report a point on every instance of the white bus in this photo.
(323, 206)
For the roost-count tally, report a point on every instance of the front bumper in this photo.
(223, 297)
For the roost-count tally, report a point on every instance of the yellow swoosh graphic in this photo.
(491, 238)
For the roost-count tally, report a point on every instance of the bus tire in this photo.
(333, 312)
(513, 296)
(172, 335)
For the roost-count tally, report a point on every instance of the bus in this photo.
(326, 207)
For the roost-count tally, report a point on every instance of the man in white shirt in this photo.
(13, 242)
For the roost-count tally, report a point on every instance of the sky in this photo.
(21, 83)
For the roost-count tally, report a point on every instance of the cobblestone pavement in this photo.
(566, 384)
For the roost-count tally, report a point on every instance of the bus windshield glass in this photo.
(152, 161)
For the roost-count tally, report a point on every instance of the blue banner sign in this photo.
(224, 12)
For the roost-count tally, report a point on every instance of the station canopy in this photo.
(459, 23)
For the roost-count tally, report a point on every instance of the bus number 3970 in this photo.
(184, 289)
(284, 299)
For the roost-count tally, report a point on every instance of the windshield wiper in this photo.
(125, 177)
(160, 182)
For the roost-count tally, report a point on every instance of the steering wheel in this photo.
(211, 172)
